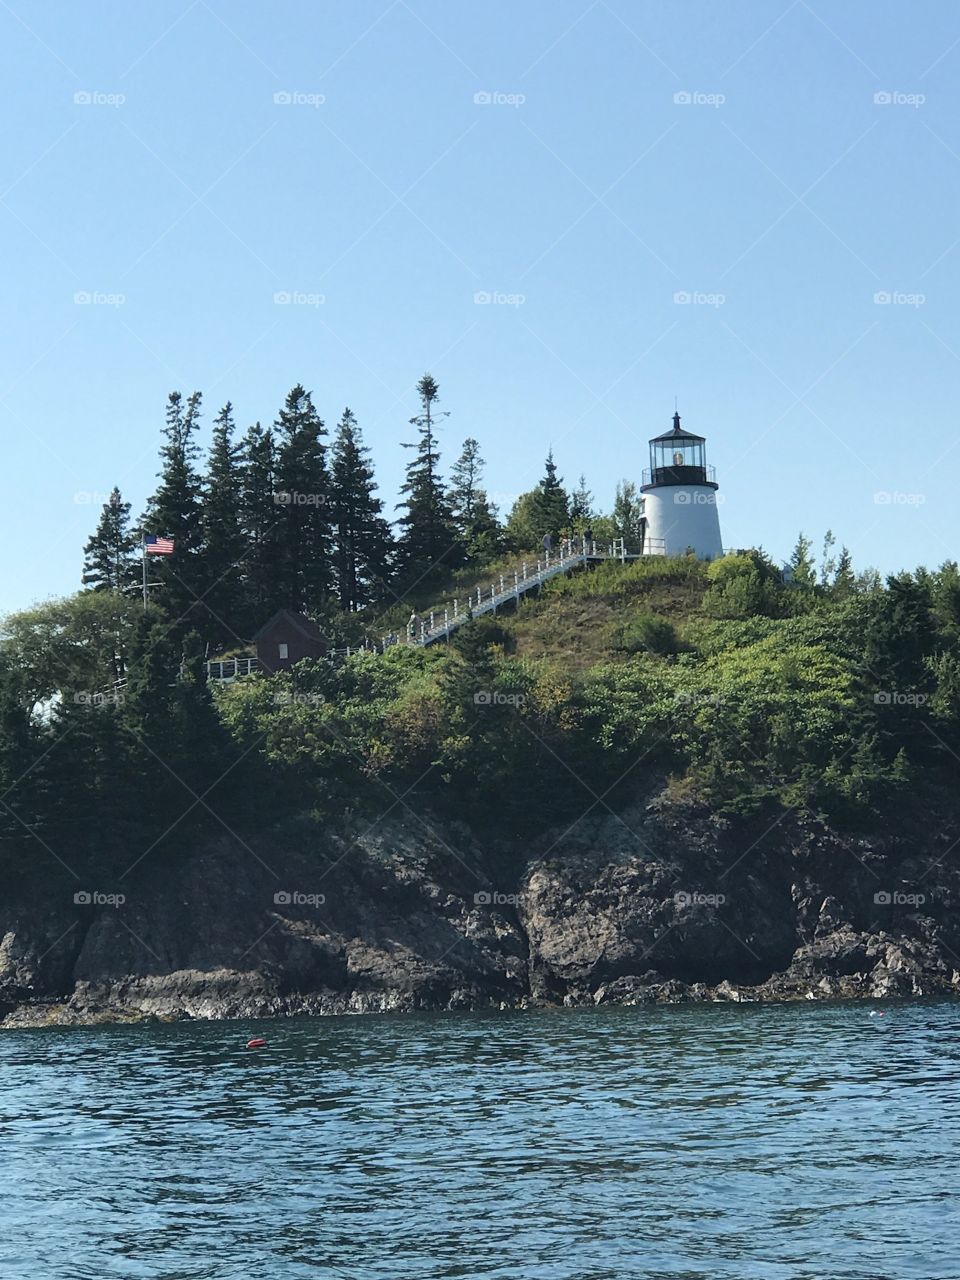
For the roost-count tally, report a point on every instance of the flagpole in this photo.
(143, 557)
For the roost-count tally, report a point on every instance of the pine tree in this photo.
(223, 543)
(550, 508)
(429, 537)
(110, 555)
(582, 513)
(302, 499)
(361, 535)
(628, 515)
(802, 572)
(259, 516)
(844, 580)
(175, 511)
(474, 515)
(465, 484)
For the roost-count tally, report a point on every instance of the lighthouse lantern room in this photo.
(680, 496)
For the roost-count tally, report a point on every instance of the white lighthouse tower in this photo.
(680, 497)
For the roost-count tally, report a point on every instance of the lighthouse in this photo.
(680, 497)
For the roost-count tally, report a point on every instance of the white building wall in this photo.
(682, 517)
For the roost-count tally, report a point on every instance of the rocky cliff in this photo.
(662, 902)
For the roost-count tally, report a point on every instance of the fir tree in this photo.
(628, 515)
(361, 535)
(550, 508)
(474, 515)
(258, 521)
(110, 555)
(302, 501)
(428, 533)
(582, 513)
(175, 511)
(802, 572)
(223, 543)
(844, 580)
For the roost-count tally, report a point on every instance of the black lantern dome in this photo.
(678, 457)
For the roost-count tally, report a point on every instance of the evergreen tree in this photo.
(844, 581)
(801, 563)
(302, 501)
(473, 513)
(223, 543)
(258, 522)
(550, 508)
(428, 538)
(361, 536)
(582, 513)
(628, 515)
(110, 555)
(175, 511)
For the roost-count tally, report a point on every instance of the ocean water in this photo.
(805, 1142)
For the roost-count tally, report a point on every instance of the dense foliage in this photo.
(748, 692)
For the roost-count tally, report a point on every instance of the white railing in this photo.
(528, 575)
(228, 669)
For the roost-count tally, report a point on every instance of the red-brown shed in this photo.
(287, 638)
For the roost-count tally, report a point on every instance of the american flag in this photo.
(158, 546)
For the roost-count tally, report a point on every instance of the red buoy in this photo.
(257, 1042)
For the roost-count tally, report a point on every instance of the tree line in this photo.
(284, 517)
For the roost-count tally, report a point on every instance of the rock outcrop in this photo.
(663, 903)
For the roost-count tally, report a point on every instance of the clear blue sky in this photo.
(783, 188)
